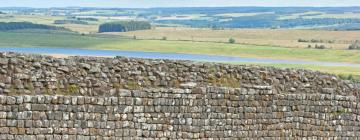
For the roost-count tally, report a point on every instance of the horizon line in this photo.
(186, 7)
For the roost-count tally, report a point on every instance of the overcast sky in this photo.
(175, 3)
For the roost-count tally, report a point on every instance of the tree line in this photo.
(124, 26)
(261, 21)
(355, 45)
(70, 22)
(316, 41)
(4, 26)
(87, 19)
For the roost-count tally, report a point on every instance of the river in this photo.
(173, 56)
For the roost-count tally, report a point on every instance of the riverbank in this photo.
(67, 40)
(44, 39)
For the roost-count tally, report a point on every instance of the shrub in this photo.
(164, 38)
(355, 45)
(320, 46)
(349, 77)
(302, 40)
(232, 41)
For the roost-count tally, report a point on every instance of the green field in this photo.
(71, 40)
(45, 39)
(265, 37)
(317, 14)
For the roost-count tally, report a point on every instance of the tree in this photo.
(124, 26)
(355, 45)
(320, 46)
(70, 22)
(232, 40)
(5, 26)
(302, 40)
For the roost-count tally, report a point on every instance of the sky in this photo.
(176, 3)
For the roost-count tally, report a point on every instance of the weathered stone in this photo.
(39, 107)
(37, 65)
(64, 69)
(4, 61)
(10, 100)
(188, 85)
(85, 66)
(95, 69)
(255, 102)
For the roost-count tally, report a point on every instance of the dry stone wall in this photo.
(35, 74)
(197, 113)
(122, 98)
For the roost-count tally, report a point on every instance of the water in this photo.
(173, 56)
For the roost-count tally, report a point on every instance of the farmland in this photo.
(39, 38)
(46, 39)
(266, 37)
(266, 33)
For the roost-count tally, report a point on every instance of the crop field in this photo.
(299, 15)
(242, 14)
(92, 27)
(181, 17)
(267, 37)
(315, 14)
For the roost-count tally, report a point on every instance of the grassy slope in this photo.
(44, 39)
(20, 39)
(234, 50)
(49, 20)
(279, 37)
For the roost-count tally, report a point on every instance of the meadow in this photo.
(51, 39)
(262, 43)
(39, 38)
(266, 37)
(92, 27)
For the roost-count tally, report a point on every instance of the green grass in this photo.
(38, 38)
(70, 40)
(235, 50)
(49, 39)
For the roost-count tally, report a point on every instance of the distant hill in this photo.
(70, 22)
(6, 26)
(337, 18)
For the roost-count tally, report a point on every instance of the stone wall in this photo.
(35, 74)
(120, 98)
(196, 113)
